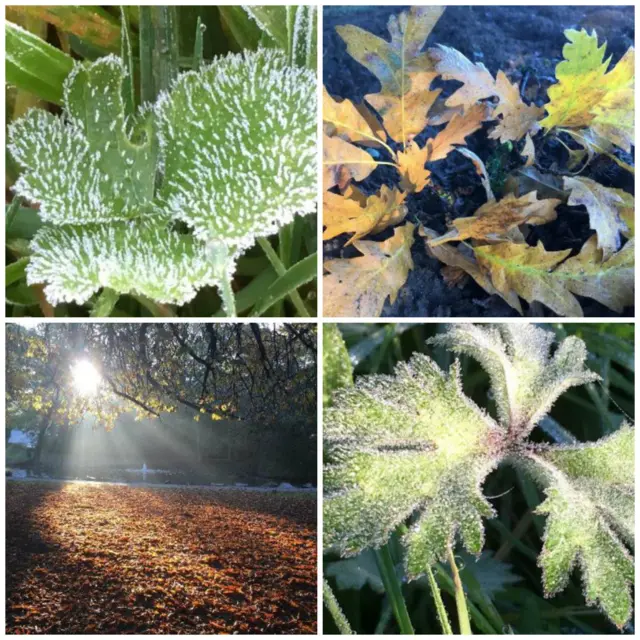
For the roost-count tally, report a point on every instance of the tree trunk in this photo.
(37, 452)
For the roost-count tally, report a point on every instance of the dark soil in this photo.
(526, 43)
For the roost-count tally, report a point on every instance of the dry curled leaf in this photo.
(494, 220)
(528, 272)
(341, 214)
(610, 282)
(358, 287)
(458, 262)
(608, 210)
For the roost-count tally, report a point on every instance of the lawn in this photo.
(89, 558)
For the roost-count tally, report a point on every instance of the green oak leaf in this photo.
(336, 365)
(239, 144)
(88, 165)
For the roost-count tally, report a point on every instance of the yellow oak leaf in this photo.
(351, 121)
(456, 260)
(342, 214)
(391, 61)
(515, 118)
(528, 271)
(610, 282)
(587, 96)
(608, 209)
(413, 175)
(358, 287)
(343, 162)
(405, 116)
(528, 151)
(494, 220)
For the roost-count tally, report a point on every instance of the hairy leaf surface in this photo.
(85, 167)
(590, 515)
(407, 442)
(246, 124)
(337, 371)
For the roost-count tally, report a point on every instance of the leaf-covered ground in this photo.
(85, 558)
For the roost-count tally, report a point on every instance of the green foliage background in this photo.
(504, 589)
(162, 41)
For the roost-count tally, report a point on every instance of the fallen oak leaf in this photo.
(608, 210)
(527, 271)
(343, 162)
(406, 116)
(515, 118)
(355, 122)
(342, 214)
(455, 259)
(411, 162)
(481, 170)
(587, 96)
(528, 151)
(495, 219)
(358, 287)
(610, 282)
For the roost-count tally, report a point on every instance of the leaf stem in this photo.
(105, 303)
(394, 590)
(228, 298)
(280, 269)
(437, 598)
(336, 612)
(461, 601)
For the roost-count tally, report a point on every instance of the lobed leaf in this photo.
(412, 441)
(587, 96)
(526, 377)
(74, 262)
(360, 286)
(590, 509)
(85, 168)
(245, 124)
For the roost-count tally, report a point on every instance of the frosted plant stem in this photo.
(437, 598)
(394, 590)
(280, 269)
(228, 299)
(461, 601)
(105, 303)
(331, 603)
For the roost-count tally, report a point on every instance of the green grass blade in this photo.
(128, 88)
(242, 31)
(247, 297)
(288, 283)
(332, 605)
(443, 618)
(198, 46)
(461, 600)
(393, 590)
(34, 65)
(15, 271)
(147, 90)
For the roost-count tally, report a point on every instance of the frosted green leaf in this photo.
(293, 29)
(405, 443)
(75, 262)
(88, 165)
(239, 145)
(526, 376)
(355, 573)
(336, 366)
(590, 509)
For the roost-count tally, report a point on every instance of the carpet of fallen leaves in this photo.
(84, 558)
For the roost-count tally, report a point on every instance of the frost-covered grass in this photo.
(504, 588)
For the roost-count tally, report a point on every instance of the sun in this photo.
(86, 378)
